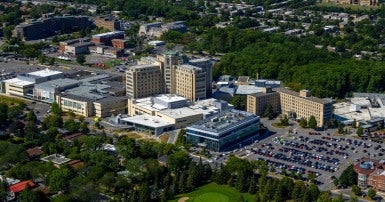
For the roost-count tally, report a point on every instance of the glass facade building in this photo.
(224, 130)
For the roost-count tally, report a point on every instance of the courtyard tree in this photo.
(81, 59)
(312, 122)
(269, 112)
(371, 193)
(360, 131)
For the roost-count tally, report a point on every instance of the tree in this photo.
(81, 59)
(314, 191)
(340, 128)
(312, 122)
(28, 195)
(178, 161)
(356, 190)
(59, 179)
(108, 180)
(55, 108)
(144, 193)
(324, 197)
(284, 121)
(3, 190)
(269, 112)
(51, 61)
(71, 125)
(303, 122)
(239, 102)
(252, 186)
(84, 128)
(360, 131)
(371, 193)
(348, 176)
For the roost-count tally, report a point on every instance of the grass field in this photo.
(10, 100)
(215, 193)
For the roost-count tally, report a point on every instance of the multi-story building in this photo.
(106, 38)
(147, 29)
(47, 91)
(190, 82)
(107, 22)
(43, 28)
(78, 48)
(169, 110)
(157, 29)
(119, 43)
(207, 66)
(143, 81)
(167, 61)
(176, 77)
(258, 102)
(223, 131)
(302, 105)
(371, 173)
(63, 44)
(355, 2)
(94, 99)
(23, 84)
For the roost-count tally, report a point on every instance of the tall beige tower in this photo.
(143, 81)
(190, 82)
(167, 60)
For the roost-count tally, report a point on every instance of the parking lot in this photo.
(324, 155)
(306, 151)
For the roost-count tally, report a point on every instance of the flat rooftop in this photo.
(145, 66)
(107, 34)
(199, 60)
(190, 67)
(56, 159)
(19, 82)
(44, 73)
(223, 121)
(181, 112)
(147, 120)
(63, 82)
(296, 94)
(247, 89)
(170, 98)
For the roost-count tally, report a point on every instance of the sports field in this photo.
(214, 193)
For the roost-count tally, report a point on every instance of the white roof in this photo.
(170, 98)
(45, 73)
(147, 120)
(181, 112)
(19, 82)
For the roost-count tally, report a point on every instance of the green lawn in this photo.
(215, 193)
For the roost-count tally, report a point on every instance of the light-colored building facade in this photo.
(302, 105)
(23, 84)
(176, 109)
(258, 102)
(190, 82)
(47, 91)
(167, 61)
(207, 66)
(76, 104)
(143, 81)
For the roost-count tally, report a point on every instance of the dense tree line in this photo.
(133, 172)
(297, 62)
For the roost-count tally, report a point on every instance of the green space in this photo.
(215, 193)
(10, 100)
(111, 63)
